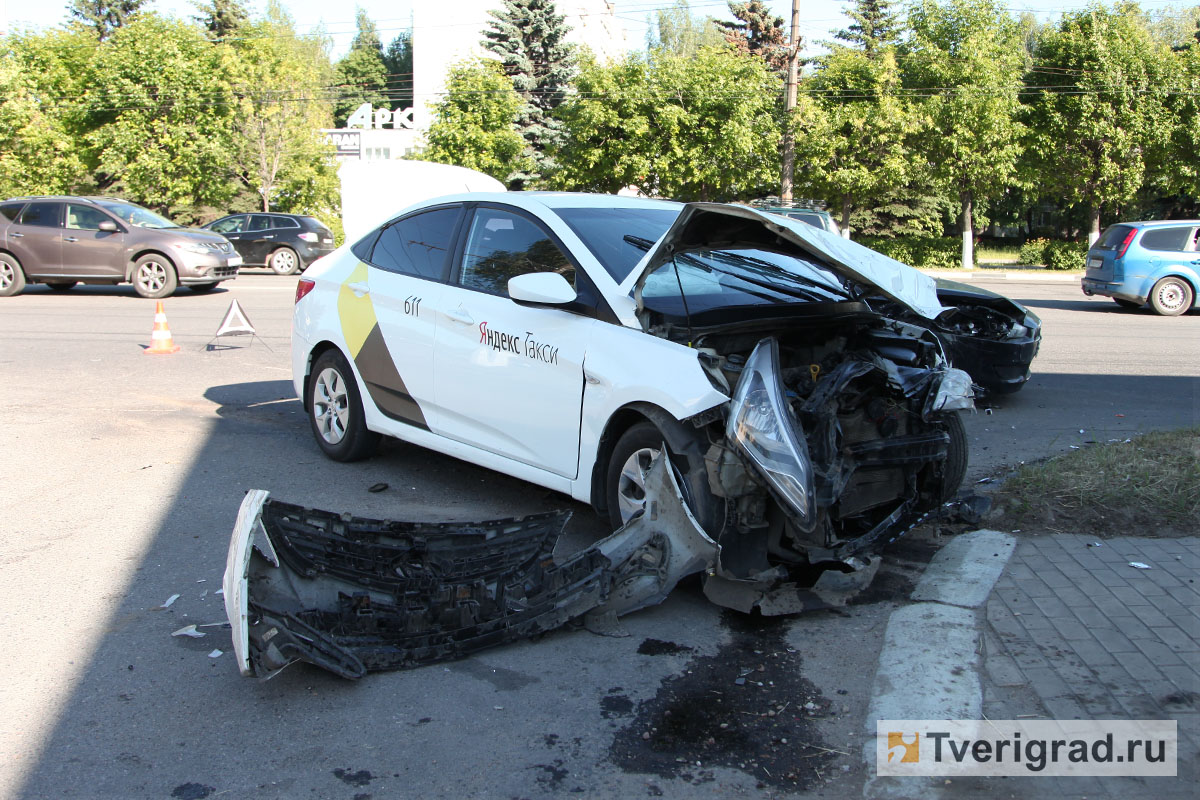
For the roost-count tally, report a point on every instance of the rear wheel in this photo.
(335, 410)
(154, 277)
(12, 277)
(62, 286)
(625, 487)
(1171, 296)
(284, 261)
(1126, 303)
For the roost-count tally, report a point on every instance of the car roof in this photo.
(1158, 223)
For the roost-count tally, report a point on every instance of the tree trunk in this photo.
(1094, 228)
(968, 232)
(846, 216)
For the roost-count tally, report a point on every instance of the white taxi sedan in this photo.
(564, 338)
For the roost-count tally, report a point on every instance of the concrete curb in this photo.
(928, 668)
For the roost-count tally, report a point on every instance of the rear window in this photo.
(44, 214)
(1112, 237)
(1175, 238)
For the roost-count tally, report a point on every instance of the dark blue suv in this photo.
(1136, 263)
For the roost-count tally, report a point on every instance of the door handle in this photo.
(359, 288)
(70, 239)
(17, 235)
(460, 314)
(272, 236)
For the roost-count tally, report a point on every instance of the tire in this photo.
(954, 468)
(624, 480)
(203, 288)
(1126, 303)
(62, 286)
(284, 261)
(335, 410)
(154, 277)
(12, 277)
(1171, 296)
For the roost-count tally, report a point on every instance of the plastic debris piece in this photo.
(1095, 544)
(190, 631)
(216, 654)
(1081, 430)
(379, 487)
(1074, 446)
(985, 480)
(202, 580)
(1139, 565)
(219, 591)
(170, 600)
(1119, 415)
(204, 594)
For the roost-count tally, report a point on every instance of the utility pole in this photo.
(789, 141)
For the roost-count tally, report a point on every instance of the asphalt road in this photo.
(122, 474)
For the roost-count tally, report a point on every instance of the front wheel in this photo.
(335, 410)
(154, 277)
(284, 261)
(1171, 296)
(625, 487)
(954, 468)
(12, 277)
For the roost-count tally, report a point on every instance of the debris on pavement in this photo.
(378, 487)
(170, 600)
(188, 630)
(1139, 565)
(216, 654)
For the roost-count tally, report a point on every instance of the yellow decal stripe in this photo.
(356, 313)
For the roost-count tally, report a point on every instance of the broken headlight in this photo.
(954, 393)
(759, 426)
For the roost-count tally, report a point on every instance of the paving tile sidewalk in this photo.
(1072, 631)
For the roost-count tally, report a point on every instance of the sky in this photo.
(817, 17)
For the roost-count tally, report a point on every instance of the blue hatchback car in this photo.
(1136, 263)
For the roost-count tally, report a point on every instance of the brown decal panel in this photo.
(384, 383)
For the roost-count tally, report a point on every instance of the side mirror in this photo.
(108, 225)
(543, 288)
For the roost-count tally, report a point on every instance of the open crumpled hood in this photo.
(716, 226)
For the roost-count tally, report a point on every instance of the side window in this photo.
(259, 222)
(48, 215)
(417, 245)
(84, 218)
(502, 245)
(1167, 238)
(11, 210)
(284, 222)
(230, 225)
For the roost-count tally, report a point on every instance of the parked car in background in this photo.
(1136, 263)
(287, 243)
(64, 241)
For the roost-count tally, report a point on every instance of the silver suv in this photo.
(63, 241)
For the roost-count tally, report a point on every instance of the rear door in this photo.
(35, 237)
(400, 287)
(1171, 247)
(510, 377)
(88, 251)
(260, 238)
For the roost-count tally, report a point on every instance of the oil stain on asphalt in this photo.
(747, 707)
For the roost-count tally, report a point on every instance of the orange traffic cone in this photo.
(160, 340)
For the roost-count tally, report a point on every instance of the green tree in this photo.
(678, 31)
(1096, 108)
(473, 124)
(758, 32)
(703, 127)
(157, 109)
(278, 151)
(40, 148)
(1178, 172)
(875, 26)
(361, 73)
(221, 18)
(103, 17)
(530, 39)
(966, 56)
(855, 147)
(398, 61)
